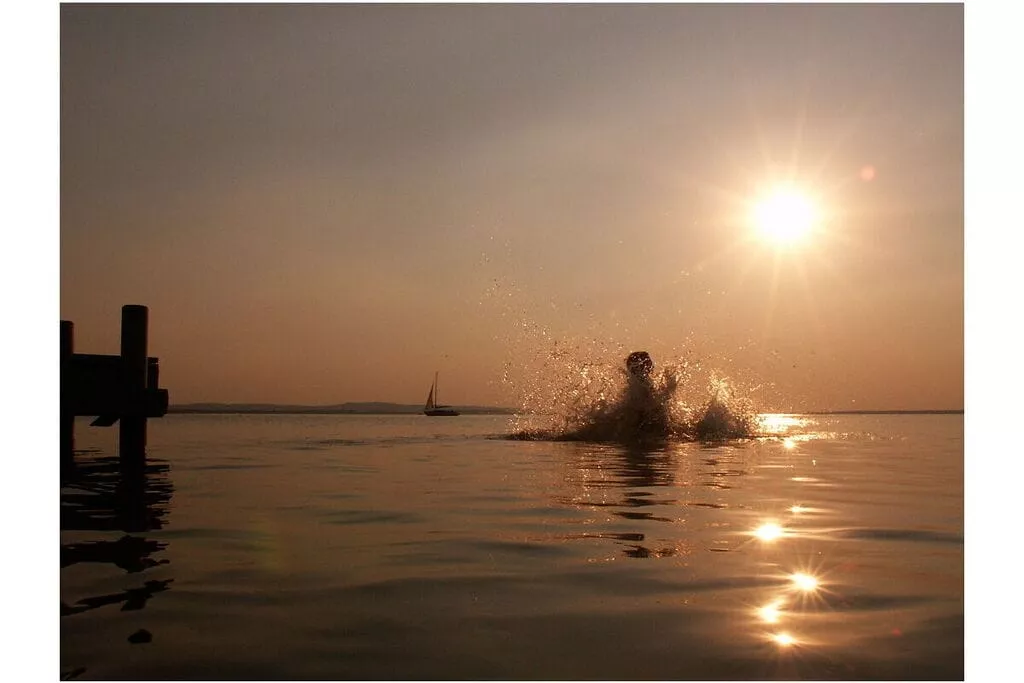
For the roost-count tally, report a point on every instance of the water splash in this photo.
(573, 387)
(602, 401)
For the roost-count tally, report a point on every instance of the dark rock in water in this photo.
(140, 636)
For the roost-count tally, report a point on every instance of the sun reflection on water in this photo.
(770, 613)
(778, 424)
(769, 532)
(783, 639)
(804, 582)
(796, 595)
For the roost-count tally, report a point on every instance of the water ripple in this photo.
(369, 517)
(915, 535)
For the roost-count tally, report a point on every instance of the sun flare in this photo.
(784, 216)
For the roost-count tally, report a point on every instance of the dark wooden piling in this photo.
(134, 376)
(123, 388)
(67, 413)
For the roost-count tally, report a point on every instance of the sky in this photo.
(329, 203)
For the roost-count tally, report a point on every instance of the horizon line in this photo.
(211, 406)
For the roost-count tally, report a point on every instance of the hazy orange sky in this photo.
(328, 203)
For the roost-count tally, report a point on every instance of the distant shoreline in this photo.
(339, 409)
(411, 409)
(883, 412)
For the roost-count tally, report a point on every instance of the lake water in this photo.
(406, 547)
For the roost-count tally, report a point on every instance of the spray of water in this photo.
(566, 399)
(578, 388)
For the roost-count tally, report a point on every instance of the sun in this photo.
(784, 216)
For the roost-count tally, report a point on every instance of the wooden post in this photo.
(135, 369)
(67, 415)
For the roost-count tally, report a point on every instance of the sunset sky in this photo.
(328, 203)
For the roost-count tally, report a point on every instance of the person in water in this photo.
(644, 408)
(639, 365)
(645, 404)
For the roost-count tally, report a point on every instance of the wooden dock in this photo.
(114, 389)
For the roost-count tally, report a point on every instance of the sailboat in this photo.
(432, 408)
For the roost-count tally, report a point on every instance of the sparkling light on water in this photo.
(804, 582)
(777, 424)
(769, 532)
(784, 639)
(771, 612)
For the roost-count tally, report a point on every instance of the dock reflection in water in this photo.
(106, 510)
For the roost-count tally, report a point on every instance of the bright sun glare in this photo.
(769, 532)
(804, 582)
(784, 216)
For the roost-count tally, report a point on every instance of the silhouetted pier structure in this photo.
(112, 389)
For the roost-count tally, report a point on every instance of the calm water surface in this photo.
(406, 547)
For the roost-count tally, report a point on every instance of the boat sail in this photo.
(432, 408)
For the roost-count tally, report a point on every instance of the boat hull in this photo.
(440, 412)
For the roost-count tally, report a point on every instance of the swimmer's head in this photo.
(639, 364)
